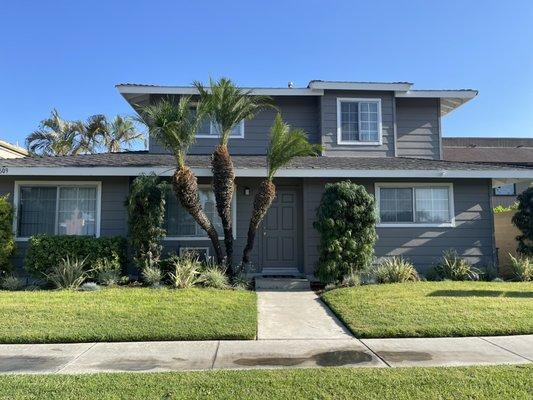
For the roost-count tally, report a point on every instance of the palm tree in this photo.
(285, 145)
(57, 137)
(174, 125)
(120, 134)
(227, 106)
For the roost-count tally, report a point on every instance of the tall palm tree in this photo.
(57, 137)
(226, 106)
(120, 134)
(285, 144)
(174, 125)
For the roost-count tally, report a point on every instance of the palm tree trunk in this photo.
(223, 186)
(185, 188)
(262, 201)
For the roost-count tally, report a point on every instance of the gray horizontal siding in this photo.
(299, 112)
(418, 128)
(328, 125)
(472, 236)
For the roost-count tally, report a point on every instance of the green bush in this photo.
(346, 221)
(46, 252)
(395, 269)
(152, 275)
(11, 282)
(455, 268)
(522, 268)
(214, 277)
(107, 272)
(186, 272)
(523, 220)
(146, 214)
(7, 241)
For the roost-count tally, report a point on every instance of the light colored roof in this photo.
(511, 151)
(13, 150)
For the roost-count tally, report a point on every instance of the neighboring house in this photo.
(8, 150)
(385, 136)
(515, 152)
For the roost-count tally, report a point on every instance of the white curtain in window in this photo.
(77, 211)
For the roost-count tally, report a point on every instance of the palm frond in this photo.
(286, 144)
(173, 124)
(227, 105)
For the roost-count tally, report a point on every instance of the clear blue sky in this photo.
(70, 54)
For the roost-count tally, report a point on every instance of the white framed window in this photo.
(56, 208)
(359, 121)
(505, 190)
(415, 204)
(209, 129)
(180, 225)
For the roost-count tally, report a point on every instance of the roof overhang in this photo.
(449, 99)
(190, 90)
(375, 86)
(500, 175)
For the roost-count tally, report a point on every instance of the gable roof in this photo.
(510, 151)
(136, 163)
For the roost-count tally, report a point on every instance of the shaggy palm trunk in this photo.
(186, 190)
(262, 201)
(223, 180)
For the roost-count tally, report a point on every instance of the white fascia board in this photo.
(395, 87)
(187, 90)
(440, 94)
(261, 172)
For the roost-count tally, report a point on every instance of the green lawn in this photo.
(496, 382)
(435, 309)
(126, 314)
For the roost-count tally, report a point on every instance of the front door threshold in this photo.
(280, 272)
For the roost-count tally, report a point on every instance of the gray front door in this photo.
(280, 231)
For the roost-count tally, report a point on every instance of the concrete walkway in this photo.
(207, 355)
(296, 315)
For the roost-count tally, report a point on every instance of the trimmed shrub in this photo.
(46, 252)
(523, 220)
(351, 280)
(522, 268)
(455, 268)
(346, 221)
(395, 269)
(70, 273)
(7, 241)
(146, 214)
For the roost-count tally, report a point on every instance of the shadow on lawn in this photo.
(479, 293)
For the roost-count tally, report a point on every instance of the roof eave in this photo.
(189, 90)
(372, 86)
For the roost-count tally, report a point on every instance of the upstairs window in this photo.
(209, 129)
(359, 121)
(415, 204)
(63, 209)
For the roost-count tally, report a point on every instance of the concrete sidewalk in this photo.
(208, 355)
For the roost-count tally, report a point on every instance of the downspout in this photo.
(394, 125)
(495, 260)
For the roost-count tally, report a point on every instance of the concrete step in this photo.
(282, 284)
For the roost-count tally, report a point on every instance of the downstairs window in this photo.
(415, 204)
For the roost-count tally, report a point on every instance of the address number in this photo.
(4, 170)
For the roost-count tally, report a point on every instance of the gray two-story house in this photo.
(385, 136)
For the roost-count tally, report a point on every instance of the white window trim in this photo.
(16, 199)
(339, 127)
(204, 238)
(193, 248)
(449, 185)
(216, 136)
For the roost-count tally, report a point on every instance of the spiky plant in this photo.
(174, 125)
(285, 145)
(227, 106)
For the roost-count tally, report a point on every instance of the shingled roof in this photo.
(507, 151)
(145, 159)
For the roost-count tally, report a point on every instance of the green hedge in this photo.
(7, 242)
(45, 251)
